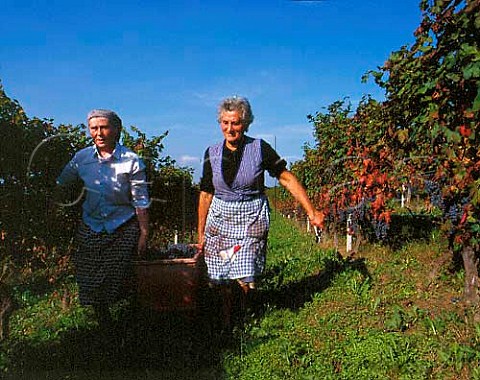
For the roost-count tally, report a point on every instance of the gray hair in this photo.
(112, 117)
(239, 104)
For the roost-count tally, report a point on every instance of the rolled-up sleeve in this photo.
(139, 185)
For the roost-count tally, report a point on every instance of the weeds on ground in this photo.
(383, 314)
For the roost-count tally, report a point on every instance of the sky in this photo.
(166, 65)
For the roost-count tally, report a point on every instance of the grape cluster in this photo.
(360, 218)
(181, 251)
(342, 216)
(173, 251)
(453, 212)
(435, 193)
(381, 229)
(357, 216)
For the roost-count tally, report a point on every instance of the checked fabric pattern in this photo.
(245, 223)
(103, 262)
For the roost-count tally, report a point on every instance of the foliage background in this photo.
(36, 234)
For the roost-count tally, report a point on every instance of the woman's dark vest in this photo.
(249, 181)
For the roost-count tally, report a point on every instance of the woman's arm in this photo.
(203, 205)
(141, 202)
(291, 183)
(142, 216)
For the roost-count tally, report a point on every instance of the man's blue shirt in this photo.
(114, 186)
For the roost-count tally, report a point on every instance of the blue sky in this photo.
(165, 65)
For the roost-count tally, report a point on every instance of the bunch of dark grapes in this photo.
(435, 193)
(173, 251)
(357, 217)
(181, 251)
(342, 216)
(454, 211)
(380, 228)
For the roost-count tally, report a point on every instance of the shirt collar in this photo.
(115, 153)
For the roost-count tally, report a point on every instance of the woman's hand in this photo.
(317, 219)
(142, 216)
(199, 248)
(142, 244)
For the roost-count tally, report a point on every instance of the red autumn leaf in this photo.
(465, 131)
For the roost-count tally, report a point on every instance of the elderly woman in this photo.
(233, 212)
(114, 218)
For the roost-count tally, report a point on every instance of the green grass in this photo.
(381, 314)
